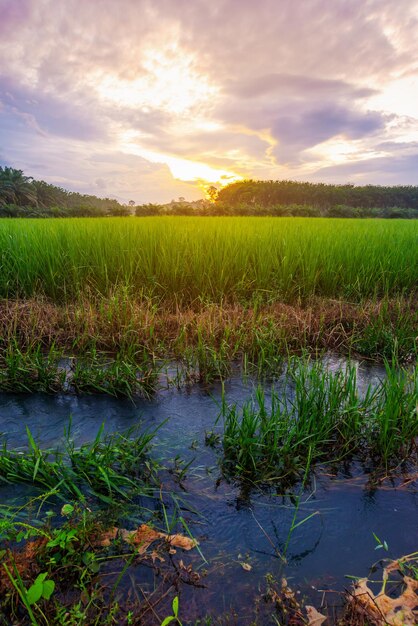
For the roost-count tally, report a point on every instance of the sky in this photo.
(149, 100)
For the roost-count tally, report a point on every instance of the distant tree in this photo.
(212, 193)
(143, 210)
(270, 193)
(22, 196)
(119, 211)
(48, 195)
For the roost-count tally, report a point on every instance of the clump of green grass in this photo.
(393, 425)
(120, 377)
(113, 467)
(392, 332)
(126, 375)
(265, 347)
(324, 418)
(31, 370)
(208, 360)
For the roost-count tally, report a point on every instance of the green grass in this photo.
(31, 370)
(113, 468)
(325, 419)
(214, 259)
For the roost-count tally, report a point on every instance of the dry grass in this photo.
(118, 324)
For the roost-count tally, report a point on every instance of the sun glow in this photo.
(186, 170)
(399, 97)
(166, 80)
(340, 150)
(182, 169)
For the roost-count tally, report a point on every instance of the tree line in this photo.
(23, 196)
(282, 192)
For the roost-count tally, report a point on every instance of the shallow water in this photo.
(235, 527)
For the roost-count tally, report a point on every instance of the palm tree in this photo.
(16, 188)
(47, 195)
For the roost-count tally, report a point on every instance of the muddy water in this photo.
(233, 526)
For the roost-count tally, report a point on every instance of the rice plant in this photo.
(214, 259)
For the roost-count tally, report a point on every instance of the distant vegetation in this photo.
(271, 194)
(22, 196)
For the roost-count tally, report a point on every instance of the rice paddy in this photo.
(211, 259)
(150, 325)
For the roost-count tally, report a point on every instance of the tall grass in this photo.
(213, 259)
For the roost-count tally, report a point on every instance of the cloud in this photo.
(393, 170)
(257, 89)
(292, 85)
(296, 131)
(13, 14)
(49, 114)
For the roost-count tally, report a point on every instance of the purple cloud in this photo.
(296, 131)
(392, 170)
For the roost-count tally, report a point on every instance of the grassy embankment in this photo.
(206, 291)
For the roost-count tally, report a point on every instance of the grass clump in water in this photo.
(113, 467)
(120, 377)
(393, 427)
(30, 371)
(326, 418)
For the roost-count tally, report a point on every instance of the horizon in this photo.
(151, 101)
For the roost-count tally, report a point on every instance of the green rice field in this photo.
(211, 259)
